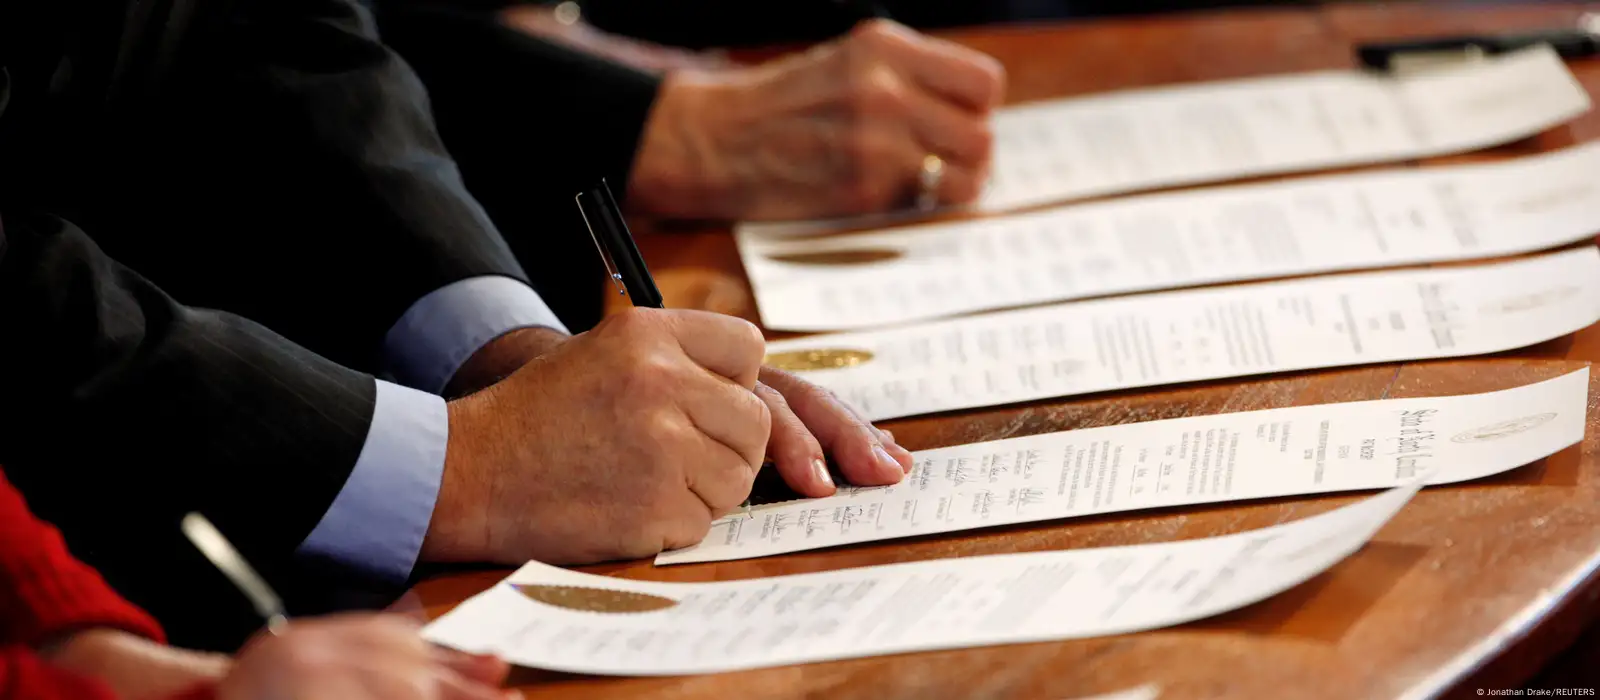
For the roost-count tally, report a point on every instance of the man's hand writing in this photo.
(631, 438)
(621, 442)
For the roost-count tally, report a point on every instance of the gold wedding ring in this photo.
(568, 13)
(928, 177)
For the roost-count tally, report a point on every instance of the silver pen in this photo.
(215, 547)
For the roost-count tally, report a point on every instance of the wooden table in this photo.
(1473, 586)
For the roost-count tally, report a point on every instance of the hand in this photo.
(621, 442)
(806, 420)
(653, 58)
(358, 657)
(839, 130)
(500, 357)
(133, 666)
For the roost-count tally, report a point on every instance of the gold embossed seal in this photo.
(1505, 429)
(849, 256)
(1531, 302)
(824, 358)
(598, 600)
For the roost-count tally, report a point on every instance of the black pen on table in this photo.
(624, 265)
(1579, 41)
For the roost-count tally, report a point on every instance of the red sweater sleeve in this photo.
(46, 593)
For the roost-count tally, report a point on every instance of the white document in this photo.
(1180, 239)
(1143, 692)
(1185, 461)
(1201, 334)
(851, 613)
(1133, 140)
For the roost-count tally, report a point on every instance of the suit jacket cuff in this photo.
(378, 520)
(442, 330)
(508, 102)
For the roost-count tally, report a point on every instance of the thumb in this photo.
(726, 345)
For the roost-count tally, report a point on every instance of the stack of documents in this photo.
(906, 298)
(1074, 148)
(1213, 333)
(1146, 243)
(547, 617)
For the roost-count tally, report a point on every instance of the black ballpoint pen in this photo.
(205, 537)
(624, 265)
(620, 254)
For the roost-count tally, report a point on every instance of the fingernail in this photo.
(821, 469)
(888, 464)
(889, 436)
(911, 459)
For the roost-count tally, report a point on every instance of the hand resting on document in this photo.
(631, 438)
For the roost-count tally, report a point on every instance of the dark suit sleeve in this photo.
(566, 117)
(532, 123)
(321, 192)
(123, 409)
(730, 23)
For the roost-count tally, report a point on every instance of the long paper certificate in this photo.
(1185, 461)
(1181, 239)
(1201, 334)
(1181, 135)
(552, 618)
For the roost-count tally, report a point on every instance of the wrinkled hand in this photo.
(358, 657)
(134, 667)
(842, 129)
(621, 442)
(631, 438)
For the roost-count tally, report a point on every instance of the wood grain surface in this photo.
(1471, 586)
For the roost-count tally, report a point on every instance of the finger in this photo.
(959, 137)
(887, 439)
(854, 444)
(388, 634)
(795, 452)
(453, 686)
(970, 79)
(958, 183)
(719, 477)
(731, 347)
(690, 521)
(900, 454)
(483, 668)
(728, 414)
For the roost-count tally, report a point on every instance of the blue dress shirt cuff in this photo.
(377, 522)
(442, 330)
